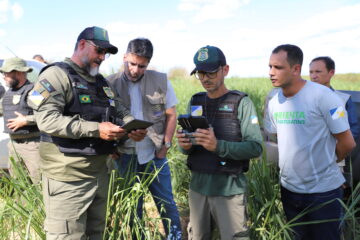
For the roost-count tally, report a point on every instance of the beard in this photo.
(93, 71)
(13, 83)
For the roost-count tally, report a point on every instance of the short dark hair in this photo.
(294, 53)
(141, 47)
(329, 63)
(38, 56)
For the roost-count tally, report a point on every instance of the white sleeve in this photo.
(269, 122)
(171, 99)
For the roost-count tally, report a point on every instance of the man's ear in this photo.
(226, 70)
(297, 69)
(81, 44)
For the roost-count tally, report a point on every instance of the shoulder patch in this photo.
(36, 98)
(39, 88)
(254, 119)
(45, 83)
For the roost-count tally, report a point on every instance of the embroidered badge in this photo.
(254, 120)
(84, 99)
(81, 86)
(203, 54)
(109, 92)
(226, 108)
(337, 113)
(45, 83)
(16, 99)
(196, 111)
(157, 114)
(36, 98)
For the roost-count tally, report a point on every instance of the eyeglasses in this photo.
(99, 50)
(210, 75)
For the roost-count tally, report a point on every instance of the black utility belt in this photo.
(25, 140)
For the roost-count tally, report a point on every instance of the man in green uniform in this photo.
(78, 115)
(19, 120)
(218, 156)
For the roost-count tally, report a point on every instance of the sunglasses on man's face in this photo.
(99, 50)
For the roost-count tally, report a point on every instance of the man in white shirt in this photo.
(149, 96)
(313, 133)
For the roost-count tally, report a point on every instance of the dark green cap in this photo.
(100, 37)
(208, 59)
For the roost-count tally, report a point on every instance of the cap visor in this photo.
(106, 45)
(205, 68)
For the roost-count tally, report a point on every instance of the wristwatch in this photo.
(167, 145)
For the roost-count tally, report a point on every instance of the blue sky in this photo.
(246, 30)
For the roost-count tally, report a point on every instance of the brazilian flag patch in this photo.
(84, 99)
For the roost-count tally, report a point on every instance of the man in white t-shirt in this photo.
(313, 133)
(150, 96)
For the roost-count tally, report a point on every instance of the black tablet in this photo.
(136, 124)
(191, 123)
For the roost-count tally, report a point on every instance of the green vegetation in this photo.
(22, 212)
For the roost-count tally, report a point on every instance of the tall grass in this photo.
(122, 219)
(22, 210)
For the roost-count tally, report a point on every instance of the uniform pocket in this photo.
(56, 226)
(157, 103)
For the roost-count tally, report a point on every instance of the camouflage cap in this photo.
(208, 59)
(15, 64)
(100, 38)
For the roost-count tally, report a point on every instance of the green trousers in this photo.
(75, 210)
(28, 151)
(228, 213)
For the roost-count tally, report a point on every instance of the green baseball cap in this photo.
(208, 59)
(100, 38)
(15, 64)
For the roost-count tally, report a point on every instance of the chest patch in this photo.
(226, 107)
(16, 99)
(84, 99)
(196, 110)
(109, 92)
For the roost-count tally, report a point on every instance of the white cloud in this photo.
(4, 7)
(211, 9)
(126, 28)
(175, 25)
(172, 43)
(334, 33)
(17, 11)
(7, 8)
(340, 19)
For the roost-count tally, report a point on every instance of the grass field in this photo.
(21, 208)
